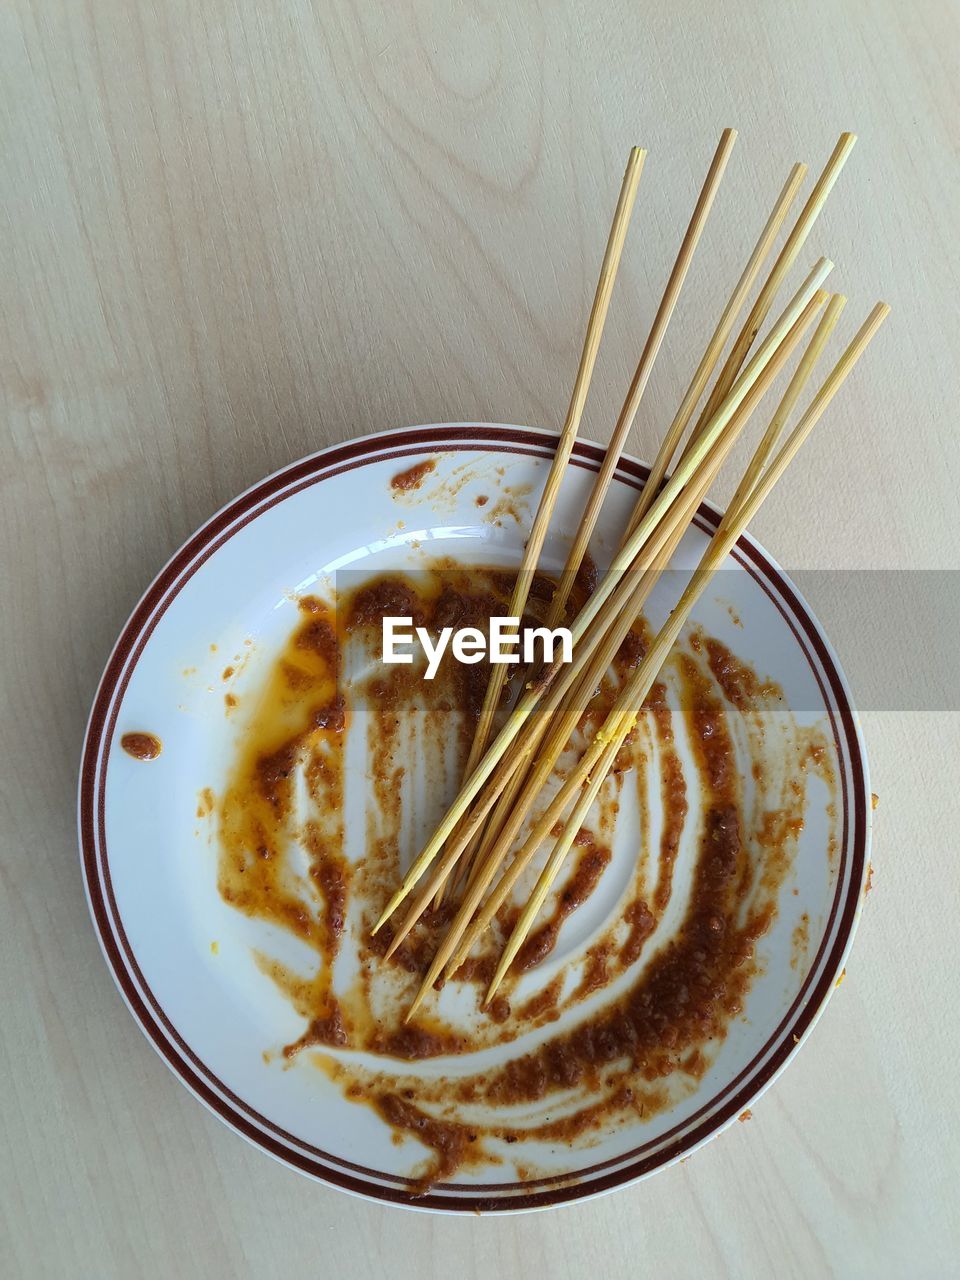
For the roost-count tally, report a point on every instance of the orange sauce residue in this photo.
(414, 476)
(615, 1062)
(800, 942)
(142, 746)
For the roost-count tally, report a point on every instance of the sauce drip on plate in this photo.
(413, 477)
(142, 746)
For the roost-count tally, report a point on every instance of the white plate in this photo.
(150, 864)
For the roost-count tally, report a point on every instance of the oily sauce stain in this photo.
(413, 477)
(142, 746)
(282, 859)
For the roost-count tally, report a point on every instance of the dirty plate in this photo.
(187, 668)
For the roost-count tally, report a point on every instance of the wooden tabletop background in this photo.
(232, 233)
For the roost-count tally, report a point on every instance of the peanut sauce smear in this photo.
(645, 948)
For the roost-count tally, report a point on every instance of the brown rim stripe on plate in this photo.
(490, 1197)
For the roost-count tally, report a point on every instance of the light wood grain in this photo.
(233, 233)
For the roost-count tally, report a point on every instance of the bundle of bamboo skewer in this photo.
(470, 851)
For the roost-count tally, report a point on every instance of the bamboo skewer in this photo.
(578, 399)
(711, 461)
(718, 426)
(641, 377)
(681, 477)
(716, 344)
(671, 439)
(801, 377)
(631, 406)
(787, 256)
(623, 714)
(541, 522)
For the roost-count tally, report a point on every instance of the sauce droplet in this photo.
(413, 478)
(142, 746)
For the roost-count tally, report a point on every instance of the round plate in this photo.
(150, 867)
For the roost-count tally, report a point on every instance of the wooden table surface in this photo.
(232, 233)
